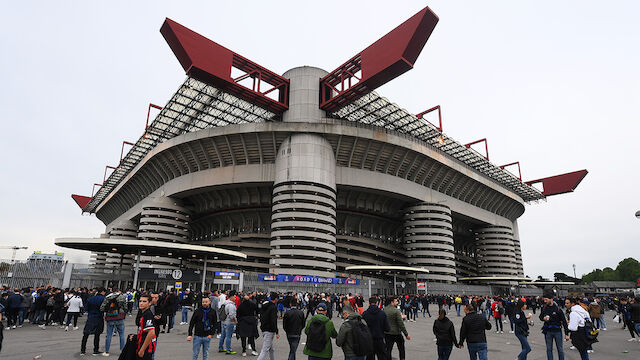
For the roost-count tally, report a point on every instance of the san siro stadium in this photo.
(308, 180)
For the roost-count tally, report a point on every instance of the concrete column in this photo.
(516, 243)
(204, 275)
(303, 221)
(428, 241)
(496, 255)
(164, 219)
(136, 270)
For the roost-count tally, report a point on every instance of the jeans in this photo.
(526, 349)
(74, 316)
(294, 341)
(637, 325)
(444, 352)
(549, 338)
(198, 342)
(267, 346)
(227, 334)
(185, 314)
(41, 314)
(477, 351)
(601, 323)
(22, 312)
(390, 340)
(498, 323)
(584, 355)
(96, 343)
(458, 309)
(117, 325)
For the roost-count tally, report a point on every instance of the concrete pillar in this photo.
(303, 221)
(496, 255)
(428, 241)
(516, 243)
(164, 219)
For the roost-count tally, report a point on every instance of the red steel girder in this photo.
(212, 63)
(513, 163)
(560, 184)
(486, 146)
(82, 201)
(422, 114)
(384, 60)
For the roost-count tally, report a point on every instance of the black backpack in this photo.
(317, 336)
(361, 338)
(590, 331)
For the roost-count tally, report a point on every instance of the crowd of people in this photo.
(367, 329)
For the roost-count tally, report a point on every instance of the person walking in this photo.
(269, 326)
(354, 337)
(319, 331)
(187, 304)
(601, 322)
(473, 330)
(634, 310)
(169, 308)
(227, 315)
(14, 303)
(378, 323)
(73, 311)
(94, 325)
(445, 334)
(247, 315)
(203, 321)
(625, 314)
(577, 321)
(114, 308)
(396, 329)
(521, 326)
(554, 323)
(498, 310)
(146, 337)
(292, 324)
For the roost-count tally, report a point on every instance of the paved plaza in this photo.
(56, 344)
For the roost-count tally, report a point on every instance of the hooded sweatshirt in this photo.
(576, 317)
(377, 321)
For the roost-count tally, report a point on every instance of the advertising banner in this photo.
(308, 279)
(169, 274)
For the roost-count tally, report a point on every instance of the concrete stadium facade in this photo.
(314, 180)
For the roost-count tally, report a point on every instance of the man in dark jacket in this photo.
(14, 301)
(293, 323)
(473, 330)
(445, 335)
(554, 323)
(269, 326)
(203, 321)
(378, 323)
(94, 324)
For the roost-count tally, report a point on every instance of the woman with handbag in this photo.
(522, 329)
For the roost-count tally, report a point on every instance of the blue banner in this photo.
(308, 279)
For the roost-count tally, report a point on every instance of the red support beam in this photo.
(384, 60)
(122, 149)
(514, 163)
(422, 114)
(93, 189)
(560, 184)
(149, 113)
(486, 146)
(212, 63)
(82, 201)
(104, 178)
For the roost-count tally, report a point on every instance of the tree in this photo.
(628, 269)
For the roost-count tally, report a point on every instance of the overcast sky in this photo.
(555, 85)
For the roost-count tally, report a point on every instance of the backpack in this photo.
(113, 309)
(590, 331)
(51, 302)
(361, 338)
(500, 309)
(317, 336)
(222, 313)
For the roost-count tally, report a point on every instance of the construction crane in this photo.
(15, 249)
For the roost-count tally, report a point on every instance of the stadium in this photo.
(310, 180)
